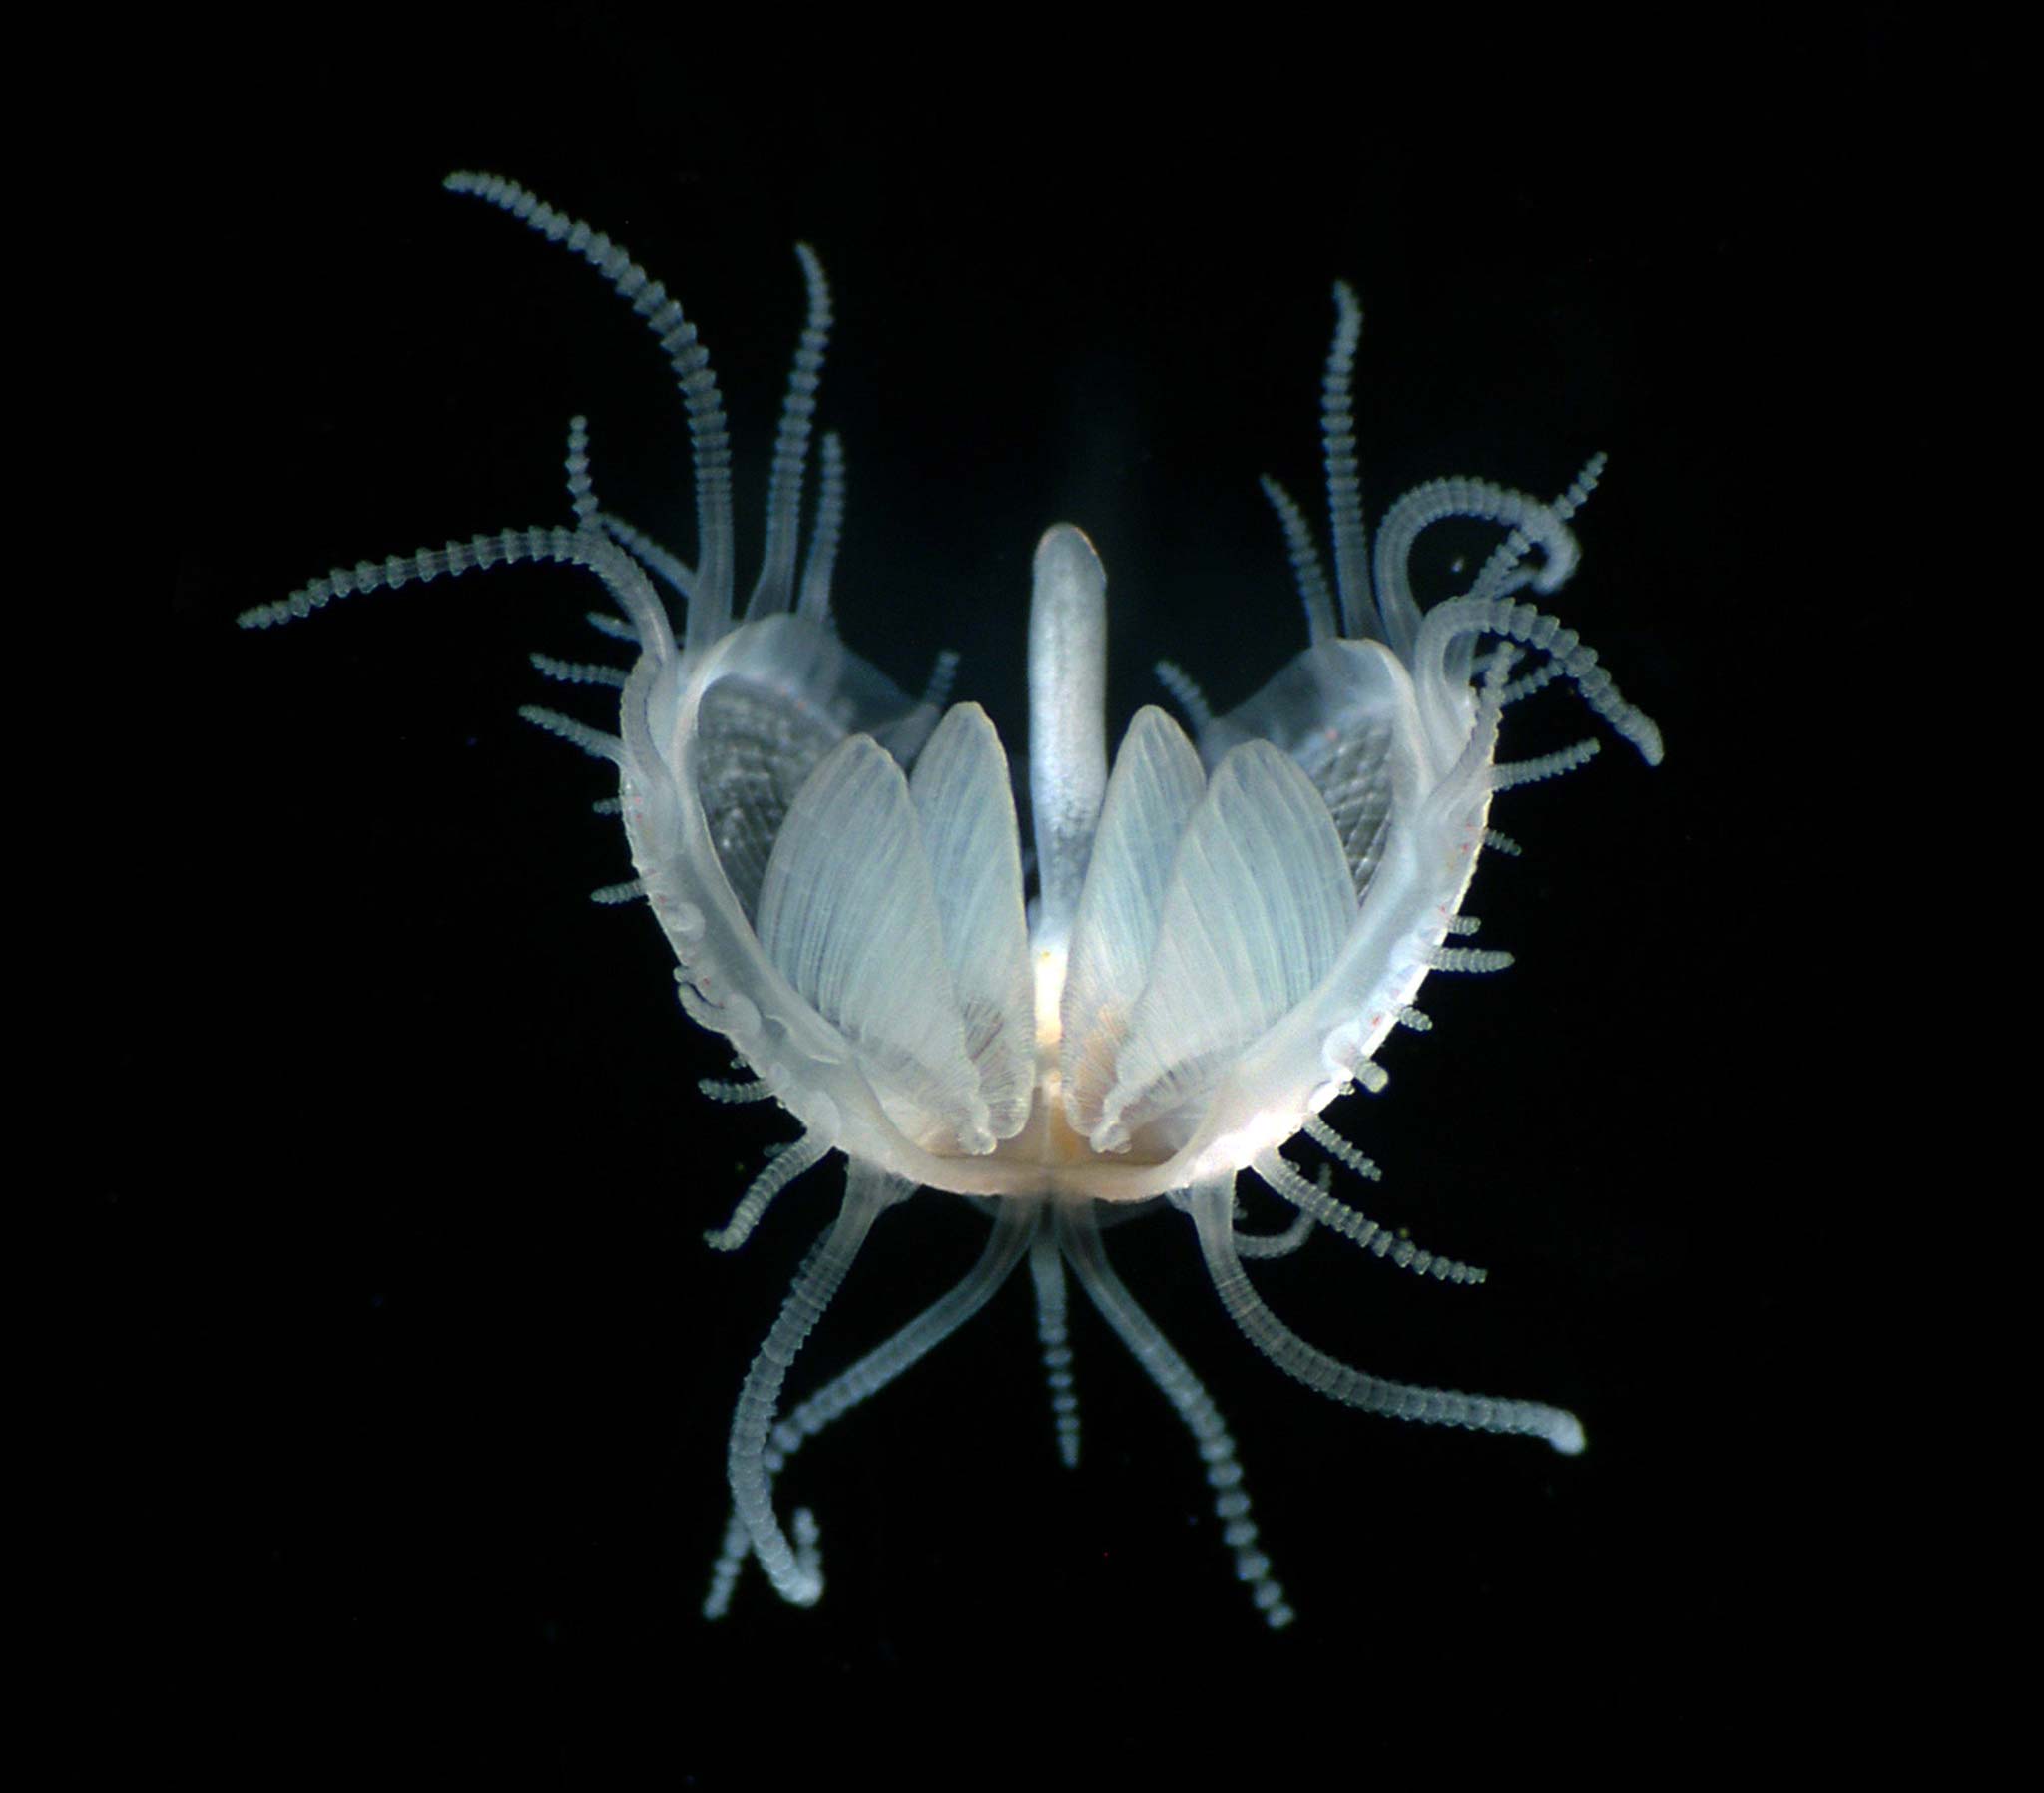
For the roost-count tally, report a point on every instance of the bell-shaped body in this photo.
(1213, 955)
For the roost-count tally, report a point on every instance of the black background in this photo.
(458, 1444)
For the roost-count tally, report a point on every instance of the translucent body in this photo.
(1219, 931)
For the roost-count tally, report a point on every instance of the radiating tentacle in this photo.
(1016, 1226)
(1463, 619)
(780, 1171)
(936, 692)
(1496, 577)
(1337, 1145)
(814, 601)
(1530, 520)
(1282, 1244)
(709, 434)
(505, 548)
(774, 591)
(662, 562)
(1538, 680)
(577, 671)
(1357, 1227)
(1510, 774)
(1306, 562)
(581, 488)
(1185, 693)
(1047, 1272)
(1079, 1239)
(1211, 1213)
(1359, 616)
(1476, 959)
(593, 741)
(796, 1570)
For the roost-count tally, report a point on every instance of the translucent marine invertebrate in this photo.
(1215, 935)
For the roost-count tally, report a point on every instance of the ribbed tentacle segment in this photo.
(1530, 522)
(593, 741)
(943, 674)
(814, 601)
(1578, 494)
(1358, 1228)
(780, 1171)
(1186, 694)
(1344, 489)
(710, 436)
(1343, 1151)
(1469, 959)
(1306, 562)
(506, 547)
(1339, 1381)
(1047, 1272)
(797, 1569)
(1513, 773)
(581, 488)
(1016, 1225)
(774, 591)
(1079, 1239)
(1497, 577)
(1281, 1244)
(577, 671)
(1519, 689)
(662, 562)
(717, 1089)
(1463, 619)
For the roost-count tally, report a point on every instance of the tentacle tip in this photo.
(806, 1587)
(1566, 1434)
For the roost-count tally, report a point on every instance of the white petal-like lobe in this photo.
(1155, 787)
(967, 809)
(1259, 906)
(848, 916)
